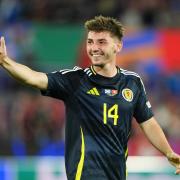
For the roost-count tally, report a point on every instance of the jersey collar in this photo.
(93, 75)
(94, 72)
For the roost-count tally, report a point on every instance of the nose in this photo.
(95, 48)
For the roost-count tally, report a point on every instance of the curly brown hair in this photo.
(101, 23)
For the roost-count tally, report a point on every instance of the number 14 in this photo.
(110, 113)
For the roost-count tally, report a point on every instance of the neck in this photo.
(109, 70)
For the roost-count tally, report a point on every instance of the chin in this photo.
(98, 64)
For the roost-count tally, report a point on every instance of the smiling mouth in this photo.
(96, 55)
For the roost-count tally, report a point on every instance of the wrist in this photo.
(169, 153)
(4, 61)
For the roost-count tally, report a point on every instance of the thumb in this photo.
(177, 171)
(3, 46)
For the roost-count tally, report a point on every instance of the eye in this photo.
(102, 42)
(89, 42)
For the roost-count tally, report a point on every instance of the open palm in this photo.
(3, 52)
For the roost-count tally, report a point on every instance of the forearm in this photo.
(22, 73)
(156, 136)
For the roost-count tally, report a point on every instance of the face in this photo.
(102, 48)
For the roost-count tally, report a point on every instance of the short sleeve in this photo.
(143, 110)
(57, 86)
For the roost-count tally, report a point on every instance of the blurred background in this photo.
(49, 35)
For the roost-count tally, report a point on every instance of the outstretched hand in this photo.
(174, 159)
(3, 52)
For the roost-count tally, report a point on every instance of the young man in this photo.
(101, 101)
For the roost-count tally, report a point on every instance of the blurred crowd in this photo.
(30, 124)
(34, 125)
(133, 12)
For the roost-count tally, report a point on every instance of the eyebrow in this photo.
(89, 39)
(102, 40)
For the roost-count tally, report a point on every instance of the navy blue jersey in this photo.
(99, 112)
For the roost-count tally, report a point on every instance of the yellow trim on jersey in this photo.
(93, 91)
(81, 162)
(118, 70)
(126, 154)
(92, 69)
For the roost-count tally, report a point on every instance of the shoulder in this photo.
(69, 73)
(74, 71)
(130, 75)
(67, 77)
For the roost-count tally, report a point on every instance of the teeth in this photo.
(96, 55)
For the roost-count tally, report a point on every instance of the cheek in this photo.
(113, 49)
(87, 49)
(110, 50)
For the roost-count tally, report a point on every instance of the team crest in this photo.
(127, 94)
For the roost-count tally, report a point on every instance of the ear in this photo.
(119, 46)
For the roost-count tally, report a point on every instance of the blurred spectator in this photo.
(10, 11)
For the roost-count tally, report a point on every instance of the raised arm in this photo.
(156, 136)
(21, 72)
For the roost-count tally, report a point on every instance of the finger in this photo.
(3, 45)
(174, 158)
(1, 42)
(177, 171)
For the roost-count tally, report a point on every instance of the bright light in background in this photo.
(52, 168)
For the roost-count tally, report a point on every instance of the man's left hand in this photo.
(174, 159)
